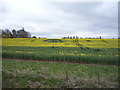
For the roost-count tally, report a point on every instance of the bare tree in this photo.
(7, 33)
(23, 34)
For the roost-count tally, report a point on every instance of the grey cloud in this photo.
(88, 12)
(63, 19)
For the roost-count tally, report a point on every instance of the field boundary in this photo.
(59, 62)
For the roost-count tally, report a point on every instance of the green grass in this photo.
(28, 74)
(69, 54)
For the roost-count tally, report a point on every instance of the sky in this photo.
(60, 19)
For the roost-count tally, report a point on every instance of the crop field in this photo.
(36, 42)
(96, 51)
(63, 62)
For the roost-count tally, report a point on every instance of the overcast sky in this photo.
(59, 19)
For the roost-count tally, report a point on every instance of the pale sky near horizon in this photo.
(59, 19)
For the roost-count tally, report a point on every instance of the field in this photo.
(100, 51)
(29, 74)
(69, 63)
(36, 42)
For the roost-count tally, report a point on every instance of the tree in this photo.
(23, 34)
(14, 33)
(3, 34)
(7, 33)
(77, 37)
(34, 37)
(70, 37)
(73, 36)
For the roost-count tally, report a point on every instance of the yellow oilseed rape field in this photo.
(35, 42)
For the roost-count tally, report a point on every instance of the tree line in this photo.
(76, 37)
(15, 33)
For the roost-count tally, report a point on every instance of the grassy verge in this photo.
(28, 74)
